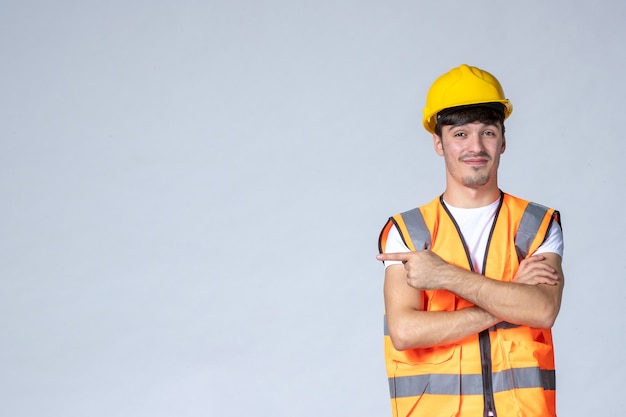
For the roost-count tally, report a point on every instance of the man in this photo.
(473, 279)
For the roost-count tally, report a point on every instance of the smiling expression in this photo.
(471, 152)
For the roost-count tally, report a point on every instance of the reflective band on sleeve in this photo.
(418, 232)
(528, 227)
(447, 384)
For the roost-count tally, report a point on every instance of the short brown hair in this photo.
(488, 113)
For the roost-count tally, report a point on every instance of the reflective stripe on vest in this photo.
(419, 234)
(444, 384)
(528, 227)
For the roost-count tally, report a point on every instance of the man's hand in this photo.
(533, 271)
(423, 269)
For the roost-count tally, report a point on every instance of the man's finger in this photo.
(402, 256)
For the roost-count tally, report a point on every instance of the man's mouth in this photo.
(475, 160)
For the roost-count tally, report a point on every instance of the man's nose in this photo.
(475, 143)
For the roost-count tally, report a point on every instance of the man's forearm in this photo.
(411, 327)
(531, 305)
(528, 300)
(419, 329)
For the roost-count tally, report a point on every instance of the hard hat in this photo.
(462, 86)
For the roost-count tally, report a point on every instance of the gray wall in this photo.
(192, 193)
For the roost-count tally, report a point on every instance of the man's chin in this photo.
(475, 182)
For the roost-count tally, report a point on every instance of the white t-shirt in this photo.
(475, 225)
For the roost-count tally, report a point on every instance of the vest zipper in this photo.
(485, 358)
(484, 340)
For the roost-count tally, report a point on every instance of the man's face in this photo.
(471, 152)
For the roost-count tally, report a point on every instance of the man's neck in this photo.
(466, 197)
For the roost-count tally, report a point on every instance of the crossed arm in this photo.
(532, 299)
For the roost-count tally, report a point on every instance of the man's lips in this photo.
(475, 161)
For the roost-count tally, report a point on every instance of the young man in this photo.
(473, 279)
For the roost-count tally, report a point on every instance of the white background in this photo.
(192, 193)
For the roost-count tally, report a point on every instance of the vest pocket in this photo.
(427, 380)
(527, 353)
(526, 375)
(425, 356)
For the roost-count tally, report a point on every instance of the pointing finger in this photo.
(402, 256)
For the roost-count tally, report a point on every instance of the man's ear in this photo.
(503, 145)
(438, 144)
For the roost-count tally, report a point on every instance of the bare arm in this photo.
(410, 327)
(535, 305)
(533, 298)
(544, 274)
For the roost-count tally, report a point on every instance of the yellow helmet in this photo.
(462, 86)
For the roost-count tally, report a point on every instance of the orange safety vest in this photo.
(506, 370)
